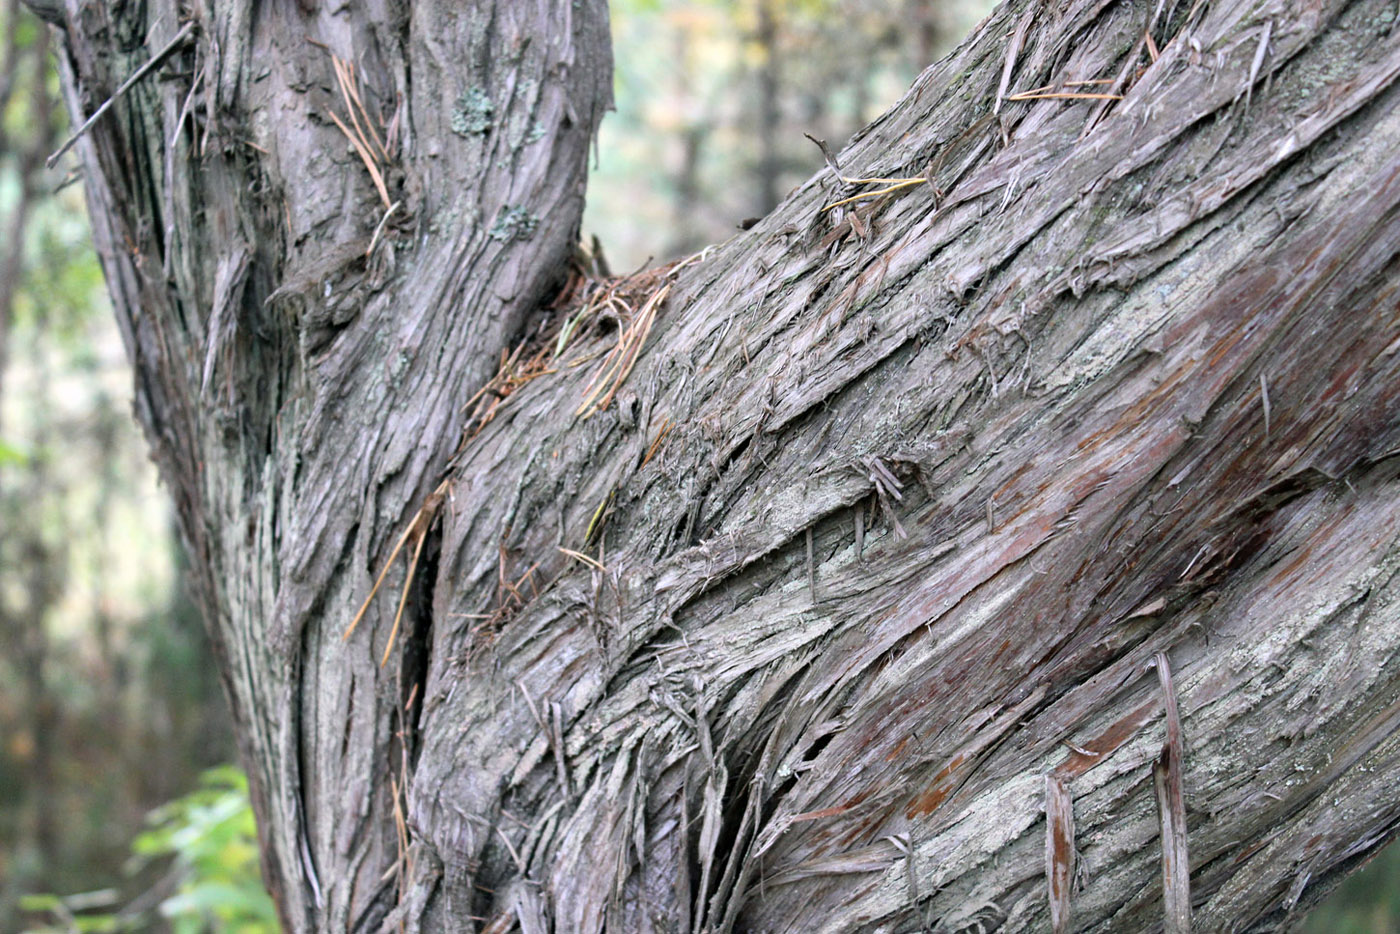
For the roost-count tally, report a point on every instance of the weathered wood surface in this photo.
(948, 469)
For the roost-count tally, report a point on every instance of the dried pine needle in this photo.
(618, 364)
(403, 596)
(1065, 96)
(580, 556)
(421, 520)
(656, 443)
(896, 184)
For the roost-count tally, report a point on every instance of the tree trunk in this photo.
(770, 58)
(799, 624)
(23, 70)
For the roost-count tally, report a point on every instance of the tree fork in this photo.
(884, 531)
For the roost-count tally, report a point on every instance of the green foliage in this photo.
(210, 834)
(11, 455)
(60, 286)
(211, 842)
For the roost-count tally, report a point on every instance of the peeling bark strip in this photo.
(1115, 375)
(1171, 810)
(1059, 851)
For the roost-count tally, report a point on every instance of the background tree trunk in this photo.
(882, 531)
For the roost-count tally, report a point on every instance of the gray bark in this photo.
(948, 469)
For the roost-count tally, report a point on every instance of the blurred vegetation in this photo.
(211, 836)
(209, 842)
(714, 96)
(109, 702)
(1366, 903)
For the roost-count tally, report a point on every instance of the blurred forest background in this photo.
(119, 809)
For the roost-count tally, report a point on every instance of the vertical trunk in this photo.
(922, 15)
(25, 71)
(43, 559)
(769, 70)
(684, 236)
(319, 226)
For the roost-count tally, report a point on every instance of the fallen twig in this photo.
(126, 85)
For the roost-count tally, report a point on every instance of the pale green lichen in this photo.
(474, 113)
(514, 223)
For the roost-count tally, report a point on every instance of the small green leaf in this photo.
(39, 902)
(11, 456)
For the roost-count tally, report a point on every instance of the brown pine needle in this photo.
(648, 318)
(899, 184)
(656, 444)
(1065, 96)
(591, 562)
(420, 522)
(363, 136)
(617, 366)
(365, 157)
(350, 91)
(403, 597)
(879, 181)
(1051, 88)
(400, 830)
(602, 377)
(398, 546)
(1151, 47)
